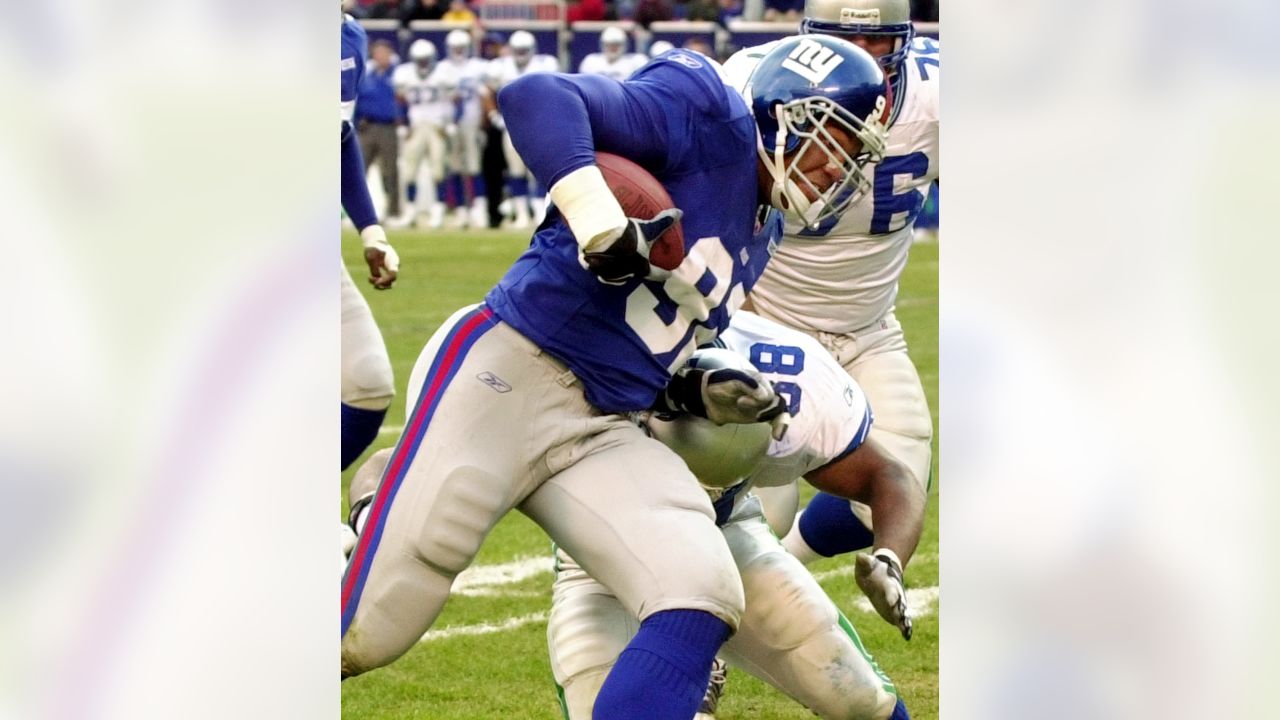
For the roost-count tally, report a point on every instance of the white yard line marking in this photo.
(486, 580)
(483, 628)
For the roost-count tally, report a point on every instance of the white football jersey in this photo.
(425, 104)
(460, 84)
(830, 416)
(844, 276)
(502, 70)
(620, 69)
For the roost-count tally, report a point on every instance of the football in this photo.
(642, 196)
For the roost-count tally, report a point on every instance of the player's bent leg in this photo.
(794, 638)
(587, 629)
(441, 492)
(903, 425)
(631, 513)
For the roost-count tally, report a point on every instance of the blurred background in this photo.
(1107, 386)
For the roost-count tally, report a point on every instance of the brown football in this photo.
(642, 196)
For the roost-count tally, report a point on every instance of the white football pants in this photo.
(366, 369)
(791, 635)
(496, 424)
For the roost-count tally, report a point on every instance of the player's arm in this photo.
(556, 123)
(871, 476)
(378, 253)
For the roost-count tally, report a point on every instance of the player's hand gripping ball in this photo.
(642, 197)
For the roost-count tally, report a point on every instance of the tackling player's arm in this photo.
(871, 476)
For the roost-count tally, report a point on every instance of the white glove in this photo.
(880, 577)
(382, 259)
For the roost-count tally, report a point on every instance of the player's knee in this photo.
(785, 606)
(367, 382)
(469, 502)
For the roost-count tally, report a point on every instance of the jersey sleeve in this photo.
(556, 122)
(830, 414)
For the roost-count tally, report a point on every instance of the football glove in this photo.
(727, 395)
(627, 256)
(880, 577)
(381, 257)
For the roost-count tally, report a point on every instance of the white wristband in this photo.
(593, 213)
(374, 236)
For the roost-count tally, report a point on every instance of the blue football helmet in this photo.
(802, 89)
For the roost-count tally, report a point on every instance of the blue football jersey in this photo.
(355, 45)
(676, 118)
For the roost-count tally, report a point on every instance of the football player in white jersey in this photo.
(460, 80)
(613, 60)
(425, 141)
(791, 635)
(520, 60)
(838, 281)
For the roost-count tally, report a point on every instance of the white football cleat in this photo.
(715, 689)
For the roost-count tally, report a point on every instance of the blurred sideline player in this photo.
(613, 60)
(524, 401)
(791, 635)
(459, 80)
(520, 60)
(366, 370)
(838, 282)
(424, 145)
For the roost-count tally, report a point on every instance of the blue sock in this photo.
(442, 194)
(663, 673)
(518, 186)
(899, 712)
(829, 526)
(411, 192)
(359, 428)
(479, 188)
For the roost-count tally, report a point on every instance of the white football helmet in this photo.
(423, 54)
(458, 43)
(718, 455)
(522, 46)
(613, 42)
(659, 47)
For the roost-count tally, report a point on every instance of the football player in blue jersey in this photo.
(366, 370)
(522, 402)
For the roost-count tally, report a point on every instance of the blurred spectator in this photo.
(459, 11)
(729, 10)
(380, 9)
(422, 10)
(649, 11)
(783, 10)
(700, 45)
(707, 10)
(376, 115)
(585, 10)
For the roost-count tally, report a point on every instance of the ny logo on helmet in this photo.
(812, 61)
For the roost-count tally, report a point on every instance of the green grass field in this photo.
(486, 658)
